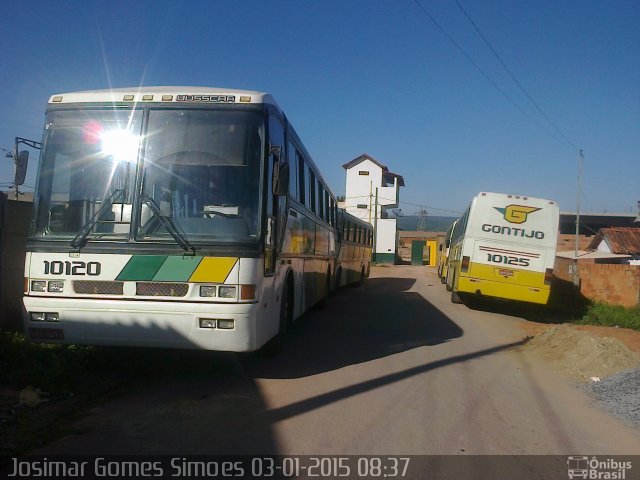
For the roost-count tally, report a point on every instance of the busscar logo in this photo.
(516, 213)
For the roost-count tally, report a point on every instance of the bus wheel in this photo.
(274, 346)
(446, 282)
(325, 297)
(361, 280)
(338, 280)
(455, 298)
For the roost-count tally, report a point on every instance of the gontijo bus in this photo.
(504, 246)
(443, 259)
(182, 217)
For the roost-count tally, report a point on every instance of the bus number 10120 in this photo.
(77, 267)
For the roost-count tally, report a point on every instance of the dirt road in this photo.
(389, 368)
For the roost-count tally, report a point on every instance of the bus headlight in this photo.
(207, 291)
(224, 324)
(227, 292)
(38, 286)
(207, 323)
(56, 286)
(37, 316)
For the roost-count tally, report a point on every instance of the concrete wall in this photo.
(433, 239)
(386, 241)
(609, 283)
(15, 218)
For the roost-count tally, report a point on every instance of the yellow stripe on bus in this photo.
(213, 269)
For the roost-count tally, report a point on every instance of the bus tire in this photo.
(455, 298)
(338, 279)
(325, 297)
(275, 345)
(446, 282)
(360, 281)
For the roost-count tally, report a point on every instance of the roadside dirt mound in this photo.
(582, 353)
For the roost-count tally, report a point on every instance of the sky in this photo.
(431, 102)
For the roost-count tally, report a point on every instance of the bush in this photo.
(52, 368)
(611, 316)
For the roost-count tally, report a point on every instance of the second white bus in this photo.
(504, 246)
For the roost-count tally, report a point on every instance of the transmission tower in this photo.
(422, 220)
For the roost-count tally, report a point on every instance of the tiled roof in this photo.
(621, 240)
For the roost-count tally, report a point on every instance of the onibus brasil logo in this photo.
(594, 468)
(516, 213)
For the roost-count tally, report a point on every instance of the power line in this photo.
(495, 53)
(485, 75)
(422, 206)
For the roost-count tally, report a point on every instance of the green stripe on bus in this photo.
(177, 269)
(141, 267)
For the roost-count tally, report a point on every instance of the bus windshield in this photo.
(197, 172)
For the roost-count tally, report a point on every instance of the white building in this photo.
(369, 185)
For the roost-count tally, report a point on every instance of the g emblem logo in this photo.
(516, 213)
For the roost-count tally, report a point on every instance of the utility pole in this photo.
(375, 226)
(579, 188)
(370, 198)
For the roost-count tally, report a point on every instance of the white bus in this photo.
(181, 217)
(504, 246)
(356, 243)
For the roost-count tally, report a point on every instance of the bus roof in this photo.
(169, 94)
(494, 195)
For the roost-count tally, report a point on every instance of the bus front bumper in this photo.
(142, 323)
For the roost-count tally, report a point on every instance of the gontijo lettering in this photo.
(514, 232)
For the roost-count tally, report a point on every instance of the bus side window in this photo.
(301, 179)
(312, 191)
(320, 200)
(293, 171)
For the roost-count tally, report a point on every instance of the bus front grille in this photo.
(161, 289)
(97, 287)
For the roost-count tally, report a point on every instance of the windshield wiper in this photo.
(80, 240)
(170, 225)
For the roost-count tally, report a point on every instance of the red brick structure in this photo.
(605, 272)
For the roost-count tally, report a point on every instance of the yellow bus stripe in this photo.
(213, 269)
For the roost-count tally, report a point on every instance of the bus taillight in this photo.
(548, 275)
(465, 264)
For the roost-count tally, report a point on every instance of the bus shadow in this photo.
(382, 318)
(197, 402)
(527, 311)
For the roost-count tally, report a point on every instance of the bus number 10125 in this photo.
(507, 260)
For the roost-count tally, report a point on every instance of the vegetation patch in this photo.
(611, 316)
(44, 387)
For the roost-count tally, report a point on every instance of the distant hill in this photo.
(434, 224)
